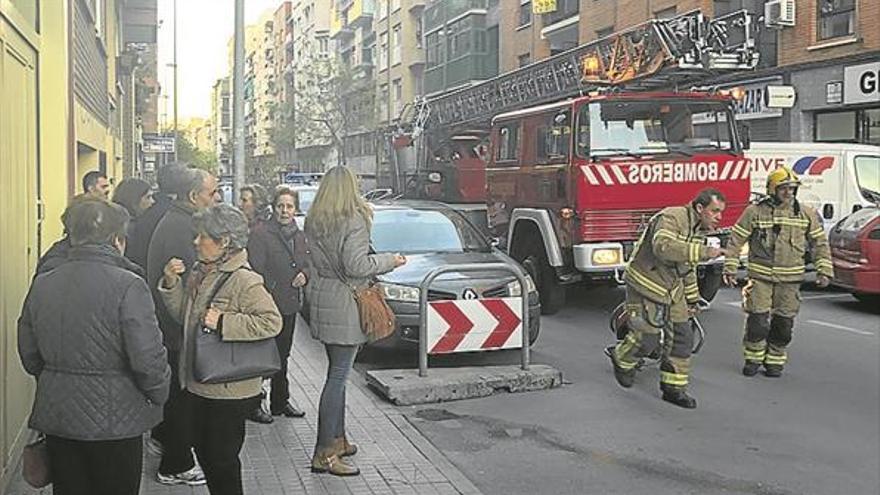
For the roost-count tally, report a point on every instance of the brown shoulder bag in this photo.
(377, 319)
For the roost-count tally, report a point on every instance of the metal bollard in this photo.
(470, 267)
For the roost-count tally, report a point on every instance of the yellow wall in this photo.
(19, 46)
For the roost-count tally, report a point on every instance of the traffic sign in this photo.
(158, 144)
(480, 325)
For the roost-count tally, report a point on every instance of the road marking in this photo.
(803, 298)
(839, 327)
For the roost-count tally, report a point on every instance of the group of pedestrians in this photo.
(109, 326)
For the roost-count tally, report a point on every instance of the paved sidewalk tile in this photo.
(394, 457)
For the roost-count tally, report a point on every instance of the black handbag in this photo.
(217, 361)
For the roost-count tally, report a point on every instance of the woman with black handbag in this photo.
(222, 298)
(277, 250)
(338, 229)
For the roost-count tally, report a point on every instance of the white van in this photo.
(837, 178)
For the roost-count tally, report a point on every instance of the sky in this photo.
(203, 29)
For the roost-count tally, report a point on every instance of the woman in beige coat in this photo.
(241, 310)
(338, 229)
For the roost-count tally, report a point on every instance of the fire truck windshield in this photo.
(654, 127)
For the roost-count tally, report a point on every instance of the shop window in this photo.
(871, 126)
(508, 143)
(836, 126)
(836, 18)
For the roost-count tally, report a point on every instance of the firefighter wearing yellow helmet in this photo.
(779, 231)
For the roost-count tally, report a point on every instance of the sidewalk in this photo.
(393, 457)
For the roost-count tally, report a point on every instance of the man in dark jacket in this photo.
(168, 179)
(277, 250)
(88, 333)
(173, 238)
(57, 253)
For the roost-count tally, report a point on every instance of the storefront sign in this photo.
(543, 6)
(158, 144)
(752, 106)
(861, 83)
(834, 92)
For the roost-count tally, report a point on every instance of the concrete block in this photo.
(404, 387)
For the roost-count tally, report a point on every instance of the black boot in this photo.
(258, 415)
(624, 377)
(678, 396)
(773, 370)
(751, 368)
(288, 410)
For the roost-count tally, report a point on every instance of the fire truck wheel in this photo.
(709, 281)
(551, 292)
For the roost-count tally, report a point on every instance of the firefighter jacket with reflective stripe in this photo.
(663, 266)
(778, 238)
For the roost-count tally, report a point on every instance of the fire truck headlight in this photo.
(435, 177)
(607, 257)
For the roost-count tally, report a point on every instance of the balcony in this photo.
(416, 7)
(417, 60)
(361, 13)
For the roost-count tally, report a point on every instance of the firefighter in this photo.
(779, 231)
(662, 294)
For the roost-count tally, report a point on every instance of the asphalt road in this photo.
(816, 430)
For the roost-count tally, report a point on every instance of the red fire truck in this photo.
(574, 154)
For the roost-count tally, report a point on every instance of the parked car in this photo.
(306, 195)
(855, 251)
(431, 235)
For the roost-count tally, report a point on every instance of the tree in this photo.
(329, 102)
(188, 153)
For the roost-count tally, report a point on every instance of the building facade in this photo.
(69, 73)
(221, 122)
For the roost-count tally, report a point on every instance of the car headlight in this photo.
(513, 288)
(607, 257)
(394, 292)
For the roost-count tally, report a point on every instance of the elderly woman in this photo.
(277, 250)
(241, 310)
(88, 333)
(338, 229)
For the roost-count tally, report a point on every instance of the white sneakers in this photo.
(193, 477)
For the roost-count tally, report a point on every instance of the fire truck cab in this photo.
(571, 185)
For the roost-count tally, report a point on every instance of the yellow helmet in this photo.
(782, 176)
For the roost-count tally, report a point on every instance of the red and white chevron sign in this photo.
(481, 325)
(624, 174)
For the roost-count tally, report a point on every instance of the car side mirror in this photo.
(856, 208)
(495, 242)
(828, 211)
(745, 135)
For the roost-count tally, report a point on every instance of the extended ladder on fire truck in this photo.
(660, 53)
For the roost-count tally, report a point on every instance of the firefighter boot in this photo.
(751, 368)
(772, 370)
(678, 396)
(623, 376)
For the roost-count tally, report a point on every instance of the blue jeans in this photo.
(331, 410)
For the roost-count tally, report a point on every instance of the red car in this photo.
(855, 251)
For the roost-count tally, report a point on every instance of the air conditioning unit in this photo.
(779, 13)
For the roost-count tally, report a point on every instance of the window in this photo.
(508, 143)
(836, 18)
(434, 55)
(836, 126)
(382, 8)
(871, 126)
(459, 34)
(419, 31)
(383, 101)
(665, 13)
(395, 5)
(553, 138)
(396, 43)
(524, 59)
(868, 173)
(383, 51)
(604, 32)
(525, 13)
(398, 97)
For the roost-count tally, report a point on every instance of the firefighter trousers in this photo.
(647, 320)
(770, 311)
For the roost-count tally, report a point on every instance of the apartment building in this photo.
(221, 122)
(823, 48)
(69, 78)
(283, 21)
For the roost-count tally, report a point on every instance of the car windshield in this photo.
(424, 231)
(306, 197)
(858, 220)
(868, 176)
(636, 128)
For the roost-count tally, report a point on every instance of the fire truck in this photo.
(571, 156)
